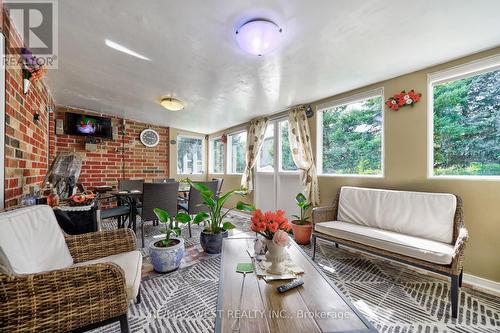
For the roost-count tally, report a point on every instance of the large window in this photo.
(266, 154)
(216, 153)
(236, 146)
(287, 163)
(466, 120)
(350, 134)
(190, 155)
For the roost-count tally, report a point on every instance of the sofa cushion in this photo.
(415, 247)
(419, 214)
(130, 262)
(31, 241)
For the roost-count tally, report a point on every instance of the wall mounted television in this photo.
(81, 124)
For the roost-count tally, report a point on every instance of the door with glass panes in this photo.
(277, 180)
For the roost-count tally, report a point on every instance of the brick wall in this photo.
(26, 140)
(110, 162)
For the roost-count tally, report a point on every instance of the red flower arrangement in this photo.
(403, 99)
(267, 224)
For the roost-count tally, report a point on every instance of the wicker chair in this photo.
(78, 297)
(453, 270)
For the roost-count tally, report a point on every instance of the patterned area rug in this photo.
(392, 297)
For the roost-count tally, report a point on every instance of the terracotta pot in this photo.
(302, 232)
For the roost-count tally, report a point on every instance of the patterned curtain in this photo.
(300, 144)
(255, 137)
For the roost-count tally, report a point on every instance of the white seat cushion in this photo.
(411, 246)
(31, 241)
(130, 262)
(420, 214)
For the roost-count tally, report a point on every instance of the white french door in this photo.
(277, 180)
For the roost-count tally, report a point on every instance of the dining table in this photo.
(133, 197)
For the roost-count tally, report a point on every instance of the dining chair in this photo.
(220, 181)
(193, 204)
(130, 184)
(162, 196)
(163, 180)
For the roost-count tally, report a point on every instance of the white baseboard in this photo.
(481, 284)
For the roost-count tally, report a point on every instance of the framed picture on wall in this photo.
(2, 119)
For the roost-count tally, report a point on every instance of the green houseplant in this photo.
(167, 253)
(216, 226)
(301, 226)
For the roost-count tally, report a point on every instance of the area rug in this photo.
(393, 297)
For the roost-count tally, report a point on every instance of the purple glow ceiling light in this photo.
(258, 37)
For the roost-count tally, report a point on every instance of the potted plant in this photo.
(216, 226)
(302, 228)
(167, 253)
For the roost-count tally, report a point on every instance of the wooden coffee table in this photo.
(316, 306)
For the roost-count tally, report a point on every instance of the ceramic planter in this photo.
(276, 255)
(166, 259)
(302, 232)
(212, 243)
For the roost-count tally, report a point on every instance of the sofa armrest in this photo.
(458, 255)
(100, 244)
(62, 300)
(323, 214)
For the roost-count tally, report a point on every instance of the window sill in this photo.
(350, 176)
(483, 178)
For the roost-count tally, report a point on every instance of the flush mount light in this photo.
(123, 49)
(172, 104)
(258, 36)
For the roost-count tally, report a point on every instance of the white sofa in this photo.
(69, 281)
(421, 229)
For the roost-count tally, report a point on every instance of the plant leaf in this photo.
(228, 225)
(162, 215)
(300, 198)
(177, 231)
(182, 217)
(200, 217)
(244, 207)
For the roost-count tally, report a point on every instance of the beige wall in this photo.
(405, 146)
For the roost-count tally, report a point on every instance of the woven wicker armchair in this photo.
(454, 270)
(71, 298)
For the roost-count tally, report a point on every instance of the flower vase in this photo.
(276, 254)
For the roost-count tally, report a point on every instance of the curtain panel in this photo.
(299, 137)
(255, 137)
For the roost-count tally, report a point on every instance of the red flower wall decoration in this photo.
(403, 99)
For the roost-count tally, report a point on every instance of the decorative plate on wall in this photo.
(149, 137)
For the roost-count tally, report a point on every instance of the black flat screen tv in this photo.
(81, 124)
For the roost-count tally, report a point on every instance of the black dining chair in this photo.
(162, 196)
(220, 181)
(130, 184)
(163, 180)
(193, 204)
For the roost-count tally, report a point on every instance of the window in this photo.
(266, 154)
(237, 145)
(286, 161)
(190, 155)
(216, 148)
(466, 120)
(350, 135)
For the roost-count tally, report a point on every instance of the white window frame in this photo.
(211, 156)
(257, 167)
(464, 71)
(319, 131)
(229, 152)
(203, 153)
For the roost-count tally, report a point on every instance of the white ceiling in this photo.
(328, 47)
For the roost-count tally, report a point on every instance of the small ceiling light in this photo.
(172, 104)
(258, 36)
(123, 49)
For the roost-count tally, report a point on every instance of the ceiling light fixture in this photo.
(123, 49)
(258, 37)
(172, 104)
